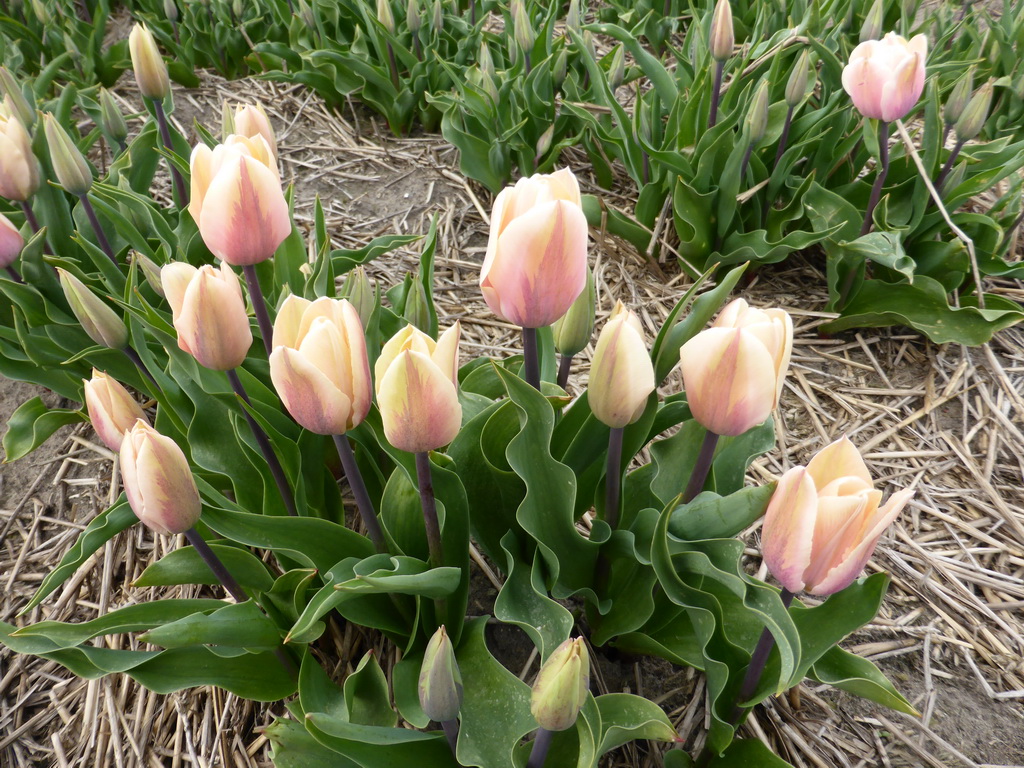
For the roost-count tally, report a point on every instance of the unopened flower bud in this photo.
(171, 11)
(18, 104)
(524, 34)
(957, 100)
(42, 12)
(622, 374)
(113, 121)
(574, 18)
(73, 172)
(544, 142)
(385, 16)
(150, 270)
(157, 481)
(617, 68)
(412, 16)
(561, 68)
(307, 15)
(486, 61)
(237, 8)
(416, 306)
(871, 29)
(440, 686)
(112, 410)
(975, 114)
(796, 86)
(560, 690)
(573, 330)
(11, 242)
(437, 18)
(756, 122)
(722, 36)
(360, 294)
(103, 325)
(147, 63)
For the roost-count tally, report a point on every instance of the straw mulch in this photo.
(946, 420)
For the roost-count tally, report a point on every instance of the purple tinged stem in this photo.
(165, 137)
(362, 496)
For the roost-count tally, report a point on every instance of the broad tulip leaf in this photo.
(366, 695)
(745, 753)
(849, 672)
(185, 566)
(239, 625)
(32, 424)
(625, 717)
(294, 747)
(710, 516)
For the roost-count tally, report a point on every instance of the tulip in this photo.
(319, 365)
(151, 271)
(872, 26)
(885, 77)
(147, 63)
(824, 521)
(733, 372)
(796, 86)
(440, 683)
(103, 325)
(112, 410)
(237, 201)
(15, 99)
(572, 331)
(621, 374)
(536, 262)
(251, 120)
(722, 36)
(208, 313)
(11, 242)
(972, 120)
(358, 290)
(158, 481)
(73, 172)
(19, 169)
(417, 389)
(560, 690)
(113, 123)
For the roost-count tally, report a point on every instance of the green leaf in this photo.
(366, 695)
(710, 516)
(240, 625)
(747, 753)
(294, 747)
(32, 425)
(849, 672)
(625, 717)
(185, 566)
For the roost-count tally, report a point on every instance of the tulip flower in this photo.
(208, 313)
(621, 374)
(11, 243)
(19, 169)
(559, 694)
(147, 63)
(319, 365)
(968, 126)
(103, 325)
(721, 43)
(112, 410)
(158, 481)
(250, 120)
(885, 77)
(73, 172)
(824, 521)
(111, 120)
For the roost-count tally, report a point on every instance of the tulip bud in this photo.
(617, 68)
(112, 410)
(733, 372)
(756, 122)
(18, 104)
(486, 61)
(208, 313)
(872, 27)
(250, 120)
(561, 68)
(113, 121)
(11, 242)
(722, 36)
(237, 8)
(437, 18)
(307, 15)
(416, 306)
(573, 330)
(151, 271)
(440, 687)
(147, 63)
(975, 114)
(157, 481)
(957, 100)
(170, 11)
(560, 690)
(413, 17)
(103, 325)
(574, 18)
(384, 15)
(544, 142)
(796, 86)
(73, 172)
(824, 521)
(19, 169)
(621, 374)
(523, 30)
(417, 389)
(885, 77)
(42, 12)
(361, 294)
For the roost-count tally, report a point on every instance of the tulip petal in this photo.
(836, 460)
(360, 387)
(621, 374)
(419, 405)
(175, 278)
(313, 400)
(788, 529)
(411, 338)
(446, 353)
(901, 91)
(201, 171)
(288, 322)
(213, 326)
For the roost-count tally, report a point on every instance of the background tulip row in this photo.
(782, 168)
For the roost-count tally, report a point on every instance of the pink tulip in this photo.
(237, 201)
(733, 372)
(19, 169)
(208, 313)
(251, 120)
(622, 374)
(417, 389)
(157, 481)
(824, 521)
(319, 365)
(536, 262)
(112, 410)
(885, 77)
(11, 242)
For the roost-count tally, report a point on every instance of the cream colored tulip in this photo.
(147, 63)
(112, 410)
(19, 169)
(157, 481)
(621, 374)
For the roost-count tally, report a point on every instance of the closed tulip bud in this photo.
(384, 15)
(42, 12)
(617, 68)
(885, 77)
(561, 68)
(417, 389)
(722, 36)
(11, 242)
(147, 63)
(796, 86)
(486, 61)
(560, 690)
(112, 410)
(307, 15)
(536, 262)
(113, 121)
(574, 18)
(237, 8)
(18, 104)
(151, 271)
(250, 120)
(733, 372)
(103, 324)
(958, 98)
(437, 18)
(19, 169)
(170, 11)
(416, 307)
(824, 521)
(413, 18)
(621, 374)
(237, 201)
(544, 142)
(73, 172)
(440, 685)
(572, 331)
(871, 29)
(522, 29)
(319, 365)
(975, 114)
(488, 86)
(158, 482)
(756, 121)
(208, 312)
(361, 294)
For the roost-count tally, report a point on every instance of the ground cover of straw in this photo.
(946, 419)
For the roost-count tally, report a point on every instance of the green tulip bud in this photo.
(412, 16)
(561, 68)
(171, 11)
(150, 271)
(617, 68)
(486, 62)
(871, 29)
(544, 142)
(437, 18)
(69, 164)
(417, 308)
(799, 78)
(574, 19)
(975, 114)
(561, 687)
(110, 116)
(306, 14)
(722, 36)
(360, 294)
(103, 325)
(572, 331)
(524, 34)
(15, 98)
(42, 12)
(384, 15)
(958, 98)
(756, 122)
(440, 686)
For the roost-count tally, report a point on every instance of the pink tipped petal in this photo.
(213, 325)
(419, 405)
(836, 460)
(788, 528)
(621, 375)
(288, 321)
(310, 396)
(901, 92)
(411, 338)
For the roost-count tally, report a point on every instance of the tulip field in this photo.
(509, 384)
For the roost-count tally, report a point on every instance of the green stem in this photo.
(531, 361)
(431, 524)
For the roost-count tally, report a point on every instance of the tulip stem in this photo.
(180, 191)
(430, 522)
(30, 216)
(393, 67)
(101, 236)
(451, 732)
(701, 467)
(259, 306)
(541, 744)
(783, 142)
(132, 355)
(883, 171)
(13, 273)
(949, 164)
(716, 93)
(564, 368)
(531, 361)
(746, 161)
(276, 470)
(613, 477)
(363, 502)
